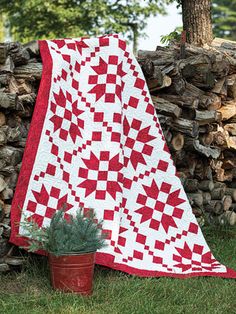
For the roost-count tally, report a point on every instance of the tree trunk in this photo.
(197, 21)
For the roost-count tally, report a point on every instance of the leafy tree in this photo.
(224, 18)
(35, 19)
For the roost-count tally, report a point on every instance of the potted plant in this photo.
(71, 243)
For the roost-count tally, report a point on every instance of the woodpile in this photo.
(20, 73)
(194, 93)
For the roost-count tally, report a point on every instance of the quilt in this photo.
(95, 141)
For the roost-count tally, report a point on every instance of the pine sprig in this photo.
(66, 235)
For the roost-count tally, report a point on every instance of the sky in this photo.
(160, 25)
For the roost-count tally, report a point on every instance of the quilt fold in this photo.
(95, 141)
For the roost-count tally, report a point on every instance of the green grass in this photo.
(116, 292)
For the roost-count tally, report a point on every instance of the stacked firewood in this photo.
(194, 92)
(20, 73)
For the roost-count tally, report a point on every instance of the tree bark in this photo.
(197, 21)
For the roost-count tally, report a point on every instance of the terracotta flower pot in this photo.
(72, 273)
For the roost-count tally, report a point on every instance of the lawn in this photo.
(116, 292)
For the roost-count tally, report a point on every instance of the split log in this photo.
(228, 110)
(231, 128)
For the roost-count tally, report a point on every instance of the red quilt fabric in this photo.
(95, 141)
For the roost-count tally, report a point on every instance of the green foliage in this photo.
(224, 18)
(34, 19)
(71, 234)
(172, 36)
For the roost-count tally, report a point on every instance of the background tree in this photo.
(196, 16)
(35, 19)
(224, 18)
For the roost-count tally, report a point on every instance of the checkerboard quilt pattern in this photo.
(95, 141)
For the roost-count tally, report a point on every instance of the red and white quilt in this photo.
(95, 141)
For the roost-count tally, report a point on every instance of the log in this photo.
(197, 211)
(2, 119)
(196, 198)
(29, 72)
(220, 87)
(181, 101)
(11, 180)
(194, 145)
(229, 217)
(218, 185)
(11, 155)
(205, 116)
(3, 184)
(6, 194)
(4, 78)
(147, 67)
(206, 198)
(185, 126)
(3, 52)
(19, 54)
(231, 192)
(8, 66)
(177, 142)
(19, 86)
(3, 137)
(178, 86)
(231, 86)
(165, 107)
(33, 48)
(228, 110)
(218, 194)
(230, 128)
(227, 202)
(197, 70)
(206, 185)
(8, 100)
(206, 139)
(191, 185)
(216, 207)
(193, 91)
